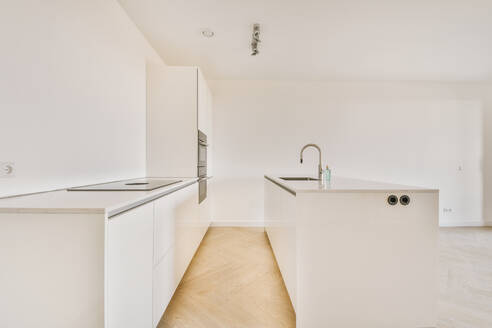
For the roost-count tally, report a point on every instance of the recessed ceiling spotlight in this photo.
(208, 33)
(255, 39)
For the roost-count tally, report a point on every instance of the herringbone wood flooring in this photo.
(234, 282)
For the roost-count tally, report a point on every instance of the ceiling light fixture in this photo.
(208, 33)
(255, 40)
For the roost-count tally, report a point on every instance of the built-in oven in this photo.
(202, 171)
(202, 149)
(202, 166)
(202, 189)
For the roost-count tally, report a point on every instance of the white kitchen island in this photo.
(351, 259)
(96, 259)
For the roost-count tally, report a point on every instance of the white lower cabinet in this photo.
(91, 271)
(187, 233)
(179, 226)
(164, 285)
(129, 268)
(149, 250)
(165, 224)
(204, 210)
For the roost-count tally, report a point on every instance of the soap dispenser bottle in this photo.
(327, 175)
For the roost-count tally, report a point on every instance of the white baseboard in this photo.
(475, 223)
(237, 223)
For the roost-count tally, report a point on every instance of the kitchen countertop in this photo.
(103, 202)
(340, 184)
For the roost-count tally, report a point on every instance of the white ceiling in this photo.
(439, 40)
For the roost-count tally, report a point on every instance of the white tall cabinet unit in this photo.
(179, 102)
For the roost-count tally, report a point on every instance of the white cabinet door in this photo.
(188, 230)
(178, 102)
(280, 219)
(172, 148)
(205, 116)
(129, 265)
(205, 209)
(165, 224)
(203, 95)
(204, 216)
(165, 284)
(210, 133)
(180, 224)
(178, 232)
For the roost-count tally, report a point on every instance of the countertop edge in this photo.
(34, 210)
(286, 187)
(116, 210)
(368, 191)
(109, 211)
(280, 184)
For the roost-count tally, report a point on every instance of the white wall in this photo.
(72, 94)
(487, 161)
(408, 133)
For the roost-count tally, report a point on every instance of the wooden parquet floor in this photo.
(234, 282)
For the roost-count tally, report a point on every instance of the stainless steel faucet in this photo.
(320, 168)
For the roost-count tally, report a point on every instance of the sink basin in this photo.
(299, 179)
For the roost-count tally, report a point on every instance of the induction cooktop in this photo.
(128, 185)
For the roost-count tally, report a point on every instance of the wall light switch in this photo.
(7, 169)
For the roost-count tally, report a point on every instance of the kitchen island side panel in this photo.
(52, 270)
(364, 263)
(280, 226)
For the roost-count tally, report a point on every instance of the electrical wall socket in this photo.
(7, 169)
(447, 210)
